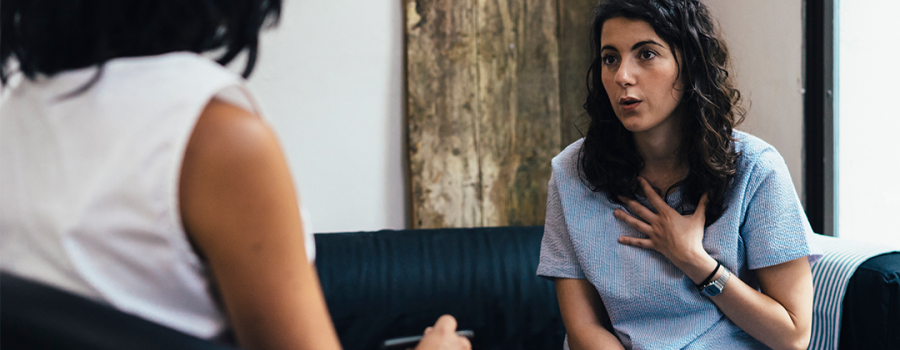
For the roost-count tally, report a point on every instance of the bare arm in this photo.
(238, 206)
(780, 316)
(584, 316)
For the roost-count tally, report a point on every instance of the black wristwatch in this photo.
(716, 287)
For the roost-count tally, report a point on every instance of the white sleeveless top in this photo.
(89, 185)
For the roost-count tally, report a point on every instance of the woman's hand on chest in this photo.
(678, 237)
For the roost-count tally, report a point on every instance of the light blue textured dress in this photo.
(651, 303)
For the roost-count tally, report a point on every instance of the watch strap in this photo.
(710, 277)
(716, 287)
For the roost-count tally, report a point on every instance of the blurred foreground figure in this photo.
(138, 173)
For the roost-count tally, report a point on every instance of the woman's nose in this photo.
(625, 75)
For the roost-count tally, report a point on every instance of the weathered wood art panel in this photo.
(442, 95)
(484, 108)
(574, 61)
(518, 108)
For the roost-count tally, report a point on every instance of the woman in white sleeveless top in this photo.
(138, 173)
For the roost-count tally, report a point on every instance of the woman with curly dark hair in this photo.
(139, 173)
(667, 228)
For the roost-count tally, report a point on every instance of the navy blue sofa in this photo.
(385, 284)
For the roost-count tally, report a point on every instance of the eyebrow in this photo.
(635, 46)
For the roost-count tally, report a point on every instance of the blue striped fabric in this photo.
(830, 277)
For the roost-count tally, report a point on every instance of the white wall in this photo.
(330, 79)
(766, 42)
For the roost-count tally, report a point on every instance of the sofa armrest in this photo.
(871, 308)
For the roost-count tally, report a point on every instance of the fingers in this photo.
(442, 336)
(446, 323)
(654, 198)
(637, 242)
(700, 212)
(633, 222)
(464, 343)
(638, 208)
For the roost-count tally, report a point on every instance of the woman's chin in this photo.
(631, 122)
(634, 127)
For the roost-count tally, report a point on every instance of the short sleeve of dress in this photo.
(775, 229)
(557, 252)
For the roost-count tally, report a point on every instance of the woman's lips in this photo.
(629, 105)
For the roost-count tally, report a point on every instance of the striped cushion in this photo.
(830, 277)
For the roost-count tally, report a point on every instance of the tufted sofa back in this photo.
(387, 284)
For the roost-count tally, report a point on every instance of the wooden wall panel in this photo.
(518, 107)
(484, 106)
(441, 95)
(574, 61)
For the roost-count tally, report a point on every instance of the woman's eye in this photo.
(608, 60)
(647, 54)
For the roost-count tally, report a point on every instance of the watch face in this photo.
(712, 290)
(716, 286)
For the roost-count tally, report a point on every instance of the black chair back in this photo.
(36, 316)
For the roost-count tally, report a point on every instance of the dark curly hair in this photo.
(608, 160)
(45, 37)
